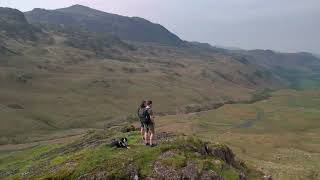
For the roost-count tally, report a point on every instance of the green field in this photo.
(280, 135)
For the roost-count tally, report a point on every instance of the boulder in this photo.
(221, 151)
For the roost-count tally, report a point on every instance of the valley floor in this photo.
(280, 135)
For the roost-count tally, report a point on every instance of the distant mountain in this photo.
(199, 47)
(13, 24)
(103, 45)
(285, 60)
(79, 61)
(229, 47)
(126, 28)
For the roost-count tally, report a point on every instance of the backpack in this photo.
(144, 115)
(119, 143)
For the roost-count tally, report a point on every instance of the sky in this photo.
(281, 25)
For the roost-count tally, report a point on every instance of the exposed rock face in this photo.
(132, 173)
(190, 171)
(165, 172)
(243, 177)
(94, 176)
(210, 175)
(221, 151)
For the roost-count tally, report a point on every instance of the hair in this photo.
(143, 104)
(149, 102)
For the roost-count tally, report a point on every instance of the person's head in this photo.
(143, 104)
(149, 103)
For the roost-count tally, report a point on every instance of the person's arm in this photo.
(151, 115)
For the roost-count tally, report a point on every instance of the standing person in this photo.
(149, 125)
(141, 115)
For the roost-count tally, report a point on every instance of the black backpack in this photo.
(144, 115)
(119, 143)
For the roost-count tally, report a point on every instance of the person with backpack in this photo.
(141, 115)
(149, 124)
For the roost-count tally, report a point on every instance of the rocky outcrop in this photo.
(190, 171)
(221, 151)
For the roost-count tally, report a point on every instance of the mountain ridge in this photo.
(74, 84)
(14, 24)
(88, 69)
(127, 28)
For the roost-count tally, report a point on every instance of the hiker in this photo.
(149, 124)
(141, 115)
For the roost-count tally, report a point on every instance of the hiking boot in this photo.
(152, 145)
(147, 144)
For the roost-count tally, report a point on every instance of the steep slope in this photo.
(293, 61)
(13, 24)
(298, 69)
(95, 80)
(132, 29)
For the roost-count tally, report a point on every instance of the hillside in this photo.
(126, 28)
(72, 78)
(91, 157)
(14, 25)
(292, 61)
(95, 80)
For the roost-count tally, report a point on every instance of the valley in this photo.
(279, 135)
(71, 79)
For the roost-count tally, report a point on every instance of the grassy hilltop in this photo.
(92, 158)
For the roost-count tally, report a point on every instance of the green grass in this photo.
(57, 164)
(23, 160)
(175, 161)
(230, 174)
(112, 159)
(283, 138)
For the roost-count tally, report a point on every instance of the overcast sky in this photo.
(283, 25)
